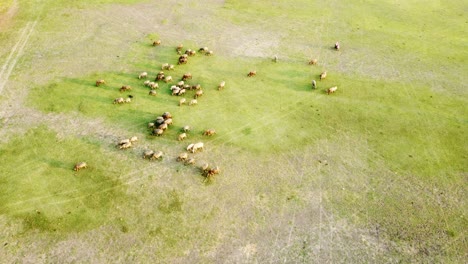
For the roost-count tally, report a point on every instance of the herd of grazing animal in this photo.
(162, 123)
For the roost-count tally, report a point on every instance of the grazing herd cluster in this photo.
(163, 122)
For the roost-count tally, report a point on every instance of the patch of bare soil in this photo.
(8, 16)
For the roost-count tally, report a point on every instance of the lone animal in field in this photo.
(80, 165)
(148, 154)
(337, 46)
(143, 75)
(152, 92)
(186, 128)
(252, 73)
(313, 62)
(182, 156)
(157, 43)
(182, 101)
(182, 136)
(209, 132)
(198, 93)
(157, 155)
(168, 79)
(314, 84)
(119, 100)
(100, 82)
(323, 75)
(275, 58)
(332, 89)
(221, 85)
(125, 88)
(193, 102)
(187, 76)
(158, 132)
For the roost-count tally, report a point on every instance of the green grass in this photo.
(40, 188)
(394, 135)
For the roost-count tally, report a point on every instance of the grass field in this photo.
(374, 173)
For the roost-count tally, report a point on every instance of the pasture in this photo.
(373, 173)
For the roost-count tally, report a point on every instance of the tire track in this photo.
(16, 53)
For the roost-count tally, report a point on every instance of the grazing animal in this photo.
(181, 92)
(313, 62)
(147, 82)
(143, 75)
(198, 93)
(182, 60)
(275, 58)
(156, 155)
(209, 53)
(182, 101)
(80, 165)
(168, 121)
(212, 172)
(209, 132)
(125, 88)
(100, 82)
(159, 120)
(182, 136)
(197, 147)
(187, 76)
(190, 161)
(188, 52)
(252, 73)
(195, 87)
(166, 115)
(165, 66)
(163, 126)
(205, 168)
(123, 141)
(192, 53)
(154, 85)
(126, 145)
(148, 154)
(151, 125)
(128, 100)
(314, 84)
(179, 47)
(119, 100)
(186, 128)
(332, 90)
(168, 79)
(182, 156)
(171, 67)
(158, 132)
(159, 77)
(193, 102)
(190, 147)
(337, 46)
(323, 75)
(203, 50)
(175, 91)
(134, 139)
(157, 43)
(152, 92)
(221, 85)
(180, 84)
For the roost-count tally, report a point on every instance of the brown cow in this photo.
(100, 82)
(80, 165)
(252, 73)
(209, 132)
